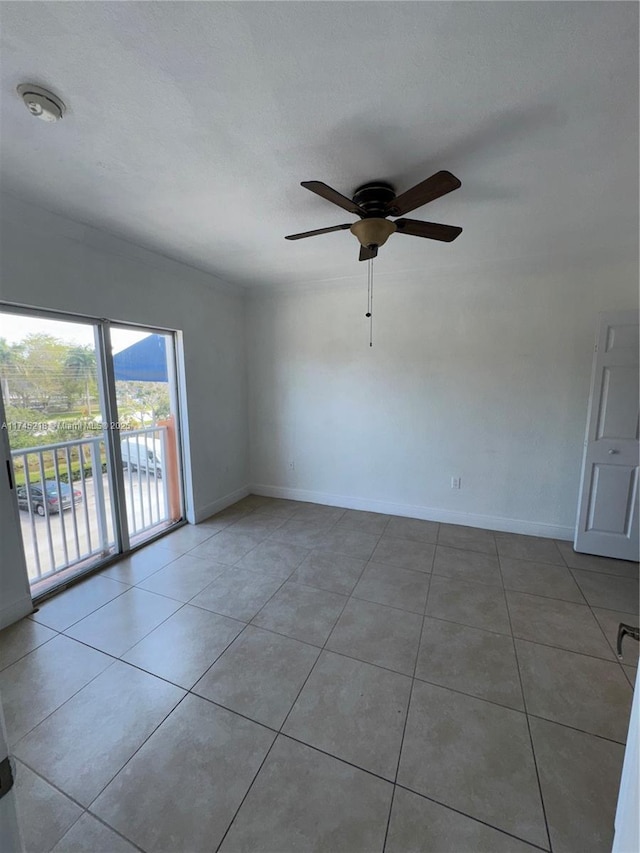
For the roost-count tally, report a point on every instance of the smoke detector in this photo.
(41, 103)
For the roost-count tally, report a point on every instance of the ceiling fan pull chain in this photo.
(371, 307)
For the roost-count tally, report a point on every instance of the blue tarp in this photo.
(144, 361)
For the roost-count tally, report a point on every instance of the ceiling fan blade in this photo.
(430, 230)
(333, 196)
(317, 231)
(368, 252)
(437, 185)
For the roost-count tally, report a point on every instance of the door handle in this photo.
(613, 451)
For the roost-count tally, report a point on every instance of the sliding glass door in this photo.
(146, 404)
(92, 422)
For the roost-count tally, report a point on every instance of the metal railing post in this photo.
(98, 485)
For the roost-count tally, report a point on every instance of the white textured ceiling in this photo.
(190, 126)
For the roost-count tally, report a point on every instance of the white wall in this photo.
(481, 374)
(48, 261)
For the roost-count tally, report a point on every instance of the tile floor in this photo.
(288, 677)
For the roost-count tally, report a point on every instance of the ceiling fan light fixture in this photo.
(373, 231)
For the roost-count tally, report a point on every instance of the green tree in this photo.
(42, 371)
(11, 356)
(80, 364)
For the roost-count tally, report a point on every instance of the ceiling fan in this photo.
(374, 202)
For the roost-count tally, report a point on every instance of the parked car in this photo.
(142, 452)
(52, 500)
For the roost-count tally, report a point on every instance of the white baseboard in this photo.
(222, 503)
(15, 611)
(467, 519)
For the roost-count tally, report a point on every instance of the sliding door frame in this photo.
(107, 391)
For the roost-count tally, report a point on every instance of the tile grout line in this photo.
(413, 681)
(348, 599)
(280, 732)
(85, 809)
(526, 715)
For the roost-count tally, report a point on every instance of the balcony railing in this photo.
(66, 504)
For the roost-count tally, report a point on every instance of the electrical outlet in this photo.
(455, 482)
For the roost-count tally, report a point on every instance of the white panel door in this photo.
(608, 511)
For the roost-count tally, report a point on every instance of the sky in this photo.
(15, 327)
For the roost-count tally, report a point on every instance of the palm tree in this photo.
(81, 364)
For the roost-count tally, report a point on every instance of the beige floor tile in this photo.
(323, 805)
(215, 523)
(540, 579)
(631, 672)
(354, 711)
(305, 534)
(401, 588)
(413, 528)
(473, 604)
(259, 675)
(183, 578)
(468, 538)
(609, 621)
(251, 503)
(19, 639)
(262, 524)
(227, 547)
(228, 515)
(187, 537)
(367, 522)
(238, 593)
(590, 562)
(200, 762)
(536, 548)
(476, 662)
(183, 648)
(351, 543)
(467, 566)
(83, 744)
(608, 591)
(141, 564)
(37, 684)
(281, 509)
(301, 612)
(317, 513)
(88, 835)
(64, 609)
(404, 553)
(122, 623)
(483, 756)
(44, 813)
(333, 572)
(575, 690)
(419, 825)
(579, 776)
(557, 623)
(274, 558)
(377, 634)
(290, 566)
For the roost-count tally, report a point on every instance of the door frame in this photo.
(605, 319)
(106, 384)
(14, 579)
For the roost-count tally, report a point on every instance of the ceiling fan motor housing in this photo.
(374, 198)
